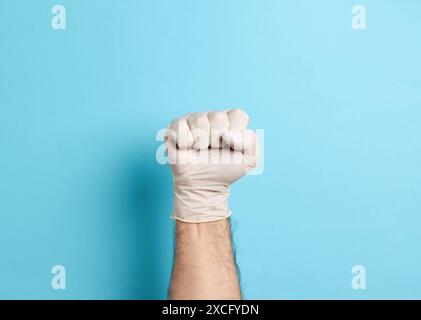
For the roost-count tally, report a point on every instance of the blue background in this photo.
(341, 110)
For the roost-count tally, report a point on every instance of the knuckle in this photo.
(238, 113)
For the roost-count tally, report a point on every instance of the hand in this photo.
(208, 151)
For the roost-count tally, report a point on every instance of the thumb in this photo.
(239, 139)
(244, 141)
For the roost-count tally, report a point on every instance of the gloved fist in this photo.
(208, 151)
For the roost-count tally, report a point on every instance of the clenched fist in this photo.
(208, 151)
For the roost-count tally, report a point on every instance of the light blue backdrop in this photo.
(341, 109)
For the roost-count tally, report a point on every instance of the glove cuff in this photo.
(200, 203)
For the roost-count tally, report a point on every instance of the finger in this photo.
(183, 135)
(200, 129)
(219, 123)
(238, 119)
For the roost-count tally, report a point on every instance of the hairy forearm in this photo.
(204, 266)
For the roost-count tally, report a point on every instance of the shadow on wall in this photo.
(149, 206)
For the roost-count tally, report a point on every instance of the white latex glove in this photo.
(208, 151)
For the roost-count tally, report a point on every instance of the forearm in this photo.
(204, 266)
